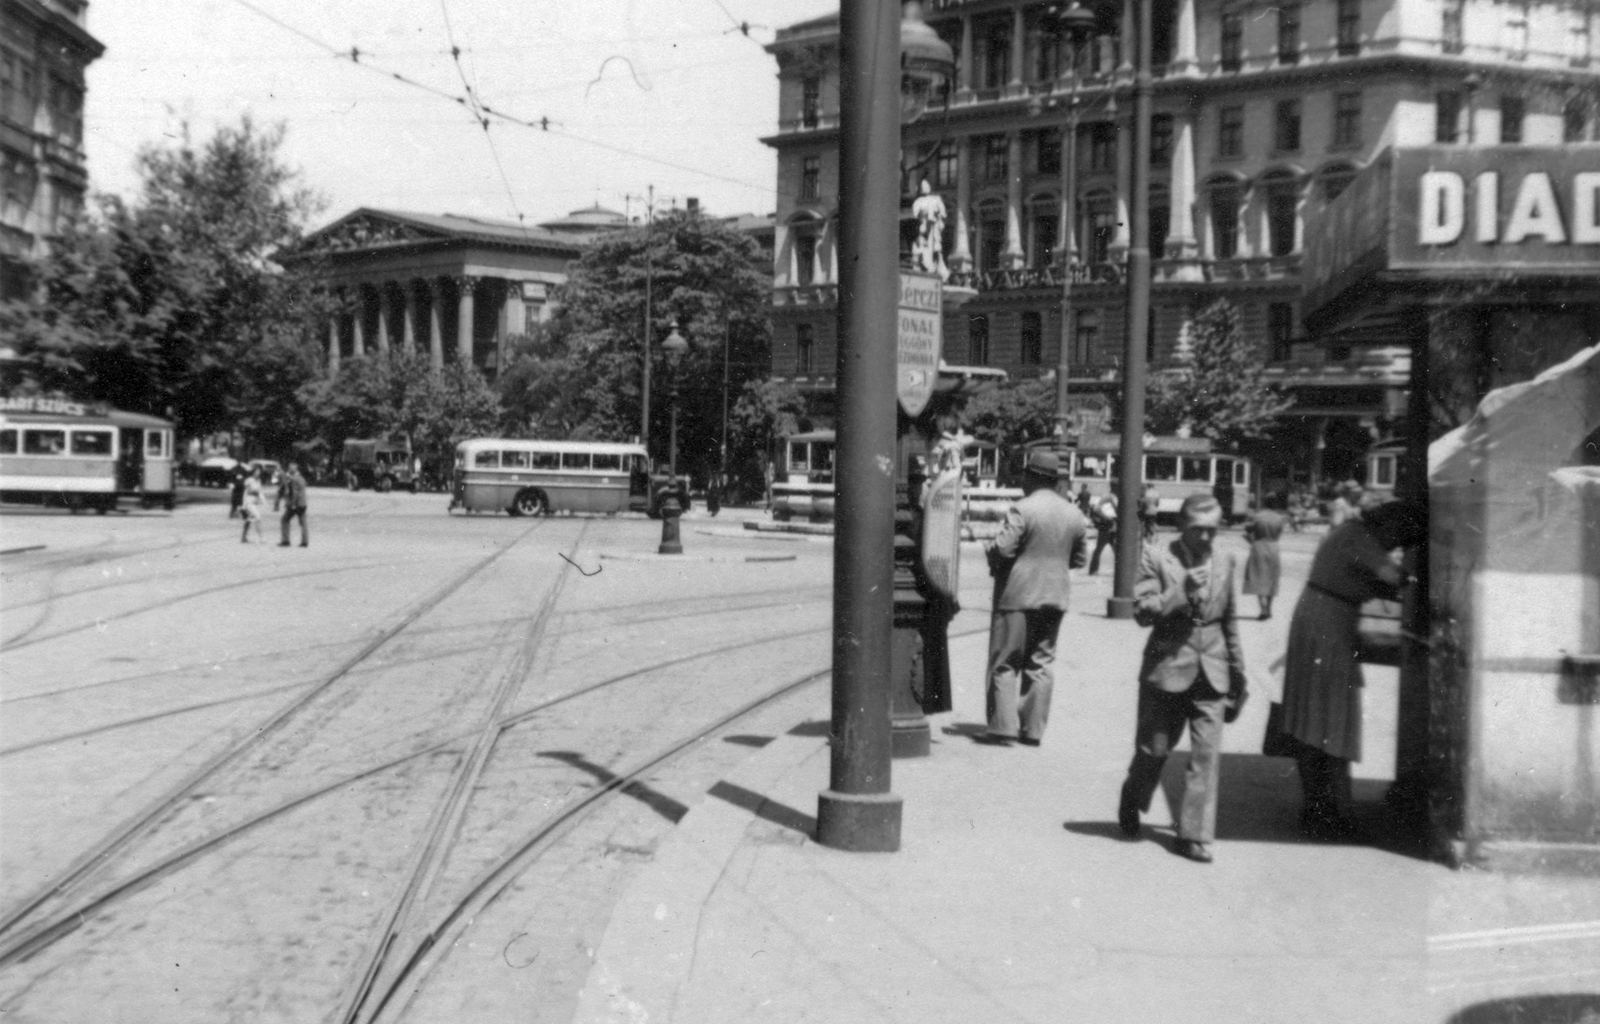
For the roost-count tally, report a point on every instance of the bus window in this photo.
(607, 462)
(486, 460)
(574, 460)
(798, 460)
(1161, 467)
(546, 460)
(636, 463)
(1092, 467)
(8, 442)
(514, 460)
(1195, 469)
(44, 442)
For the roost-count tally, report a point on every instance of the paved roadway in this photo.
(246, 782)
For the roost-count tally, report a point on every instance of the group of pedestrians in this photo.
(248, 500)
(1192, 672)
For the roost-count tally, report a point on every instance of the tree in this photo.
(172, 304)
(580, 375)
(1218, 387)
(766, 412)
(1011, 413)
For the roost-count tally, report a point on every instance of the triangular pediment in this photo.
(369, 229)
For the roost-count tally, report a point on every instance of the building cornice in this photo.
(45, 18)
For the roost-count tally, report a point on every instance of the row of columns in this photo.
(1184, 58)
(412, 325)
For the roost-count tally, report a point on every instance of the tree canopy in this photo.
(1218, 388)
(1011, 413)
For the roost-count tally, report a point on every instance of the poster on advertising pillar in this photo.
(920, 332)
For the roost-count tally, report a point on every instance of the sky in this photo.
(672, 94)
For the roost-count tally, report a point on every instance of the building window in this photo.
(1334, 182)
(1447, 117)
(1286, 127)
(1280, 330)
(1289, 34)
(1102, 146)
(991, 237)
(1085, 337)
(1160, 224)
(1512, 112)
(1161, 140)
(1574, 120)
(805, 259)
(1102, 228)
(1578, 47)
(1517, 30)
(810, 177)
(1349, 30)
(1225, 221)
(997, 58)
(1453, 41)
(1232, 42)
(1032, 352)
(1046, 225)
(1048, 152)
(810, 101)
(804, 349)
(1346, 120)
(995, 158)
(945, 166)
(1230, 131)
(1046, 56)
(978, 340)
(1283, 211)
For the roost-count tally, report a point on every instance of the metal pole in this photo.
(644, 399)
(722, 460)
(857, 811)
(672, 437)
(1069, 259)
(1120, 606)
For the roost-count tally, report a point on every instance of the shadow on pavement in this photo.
(1097, 830)
(820, 727)
(657, 801)
(1575, 1008)
(761, 807)
(747, 740)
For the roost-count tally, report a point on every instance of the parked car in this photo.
(216, 471)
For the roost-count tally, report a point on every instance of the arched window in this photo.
(1100, 226)
(1045, 221)
(1226, 195)
(991, 235)
(1282, 192)
(978, 340)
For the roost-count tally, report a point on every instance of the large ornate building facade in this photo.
(1263, 113)
(44, 48)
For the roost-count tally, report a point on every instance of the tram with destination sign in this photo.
(79, 456)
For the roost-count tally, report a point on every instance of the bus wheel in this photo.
(530, 503)
(385, 484)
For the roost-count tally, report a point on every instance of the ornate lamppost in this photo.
(671, 508)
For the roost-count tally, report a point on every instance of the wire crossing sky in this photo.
(489, 108)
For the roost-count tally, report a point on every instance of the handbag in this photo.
(1276, 742)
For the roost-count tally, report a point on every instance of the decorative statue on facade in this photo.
(927, 254)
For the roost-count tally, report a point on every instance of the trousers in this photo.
(1103, 539)
(1161, 720)
(1022, 648)
(290, 514)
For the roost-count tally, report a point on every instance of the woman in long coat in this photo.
(1322, 676)
(1264, 567)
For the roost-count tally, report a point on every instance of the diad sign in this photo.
(1504, 206)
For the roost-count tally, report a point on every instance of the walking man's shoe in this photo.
(1195, 851)
(283, 543)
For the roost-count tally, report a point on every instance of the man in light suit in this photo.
(1030, 559)
(1192, 672)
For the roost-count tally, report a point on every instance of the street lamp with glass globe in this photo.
(674, 348)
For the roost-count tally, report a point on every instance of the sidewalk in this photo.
(1015, 898)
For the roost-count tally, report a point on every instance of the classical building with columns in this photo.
(454, 287)
(1263, 113)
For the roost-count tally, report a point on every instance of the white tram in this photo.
(77, 455)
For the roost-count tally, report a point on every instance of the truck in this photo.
(380, 465)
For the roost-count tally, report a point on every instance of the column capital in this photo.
(467, 282)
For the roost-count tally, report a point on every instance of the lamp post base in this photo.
(859, 822)
(1119, 608)
(670, 544)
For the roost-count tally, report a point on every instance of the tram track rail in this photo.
(128, 831)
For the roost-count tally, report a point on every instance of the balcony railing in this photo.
(805, 295)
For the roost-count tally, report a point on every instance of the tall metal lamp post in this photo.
(877, 75)
(1120, 605)
(674, 346)
(1074, 24)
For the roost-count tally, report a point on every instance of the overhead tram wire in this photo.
(543, 124)
(479, 116)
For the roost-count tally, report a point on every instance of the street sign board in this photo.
(921, 329)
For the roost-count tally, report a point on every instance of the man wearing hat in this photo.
(1192, 673)
(1043, 538)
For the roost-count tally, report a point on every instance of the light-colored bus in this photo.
(76, 455)
(527, 478)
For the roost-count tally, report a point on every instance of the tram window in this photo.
(155, 444)
(1161, 467)
(514, 460)
(1093, 467)
(8, 442)
(1241, 474)
(91, 442)
(821, 455)
(608, 462)
(1194, 470)
(574, 460)
(546, 460)
(1383, 471)
(798, 462)
(989, 462)
(486, 460)
(44, 442)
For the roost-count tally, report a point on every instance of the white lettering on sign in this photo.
(36, 404)
(1535, 212)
